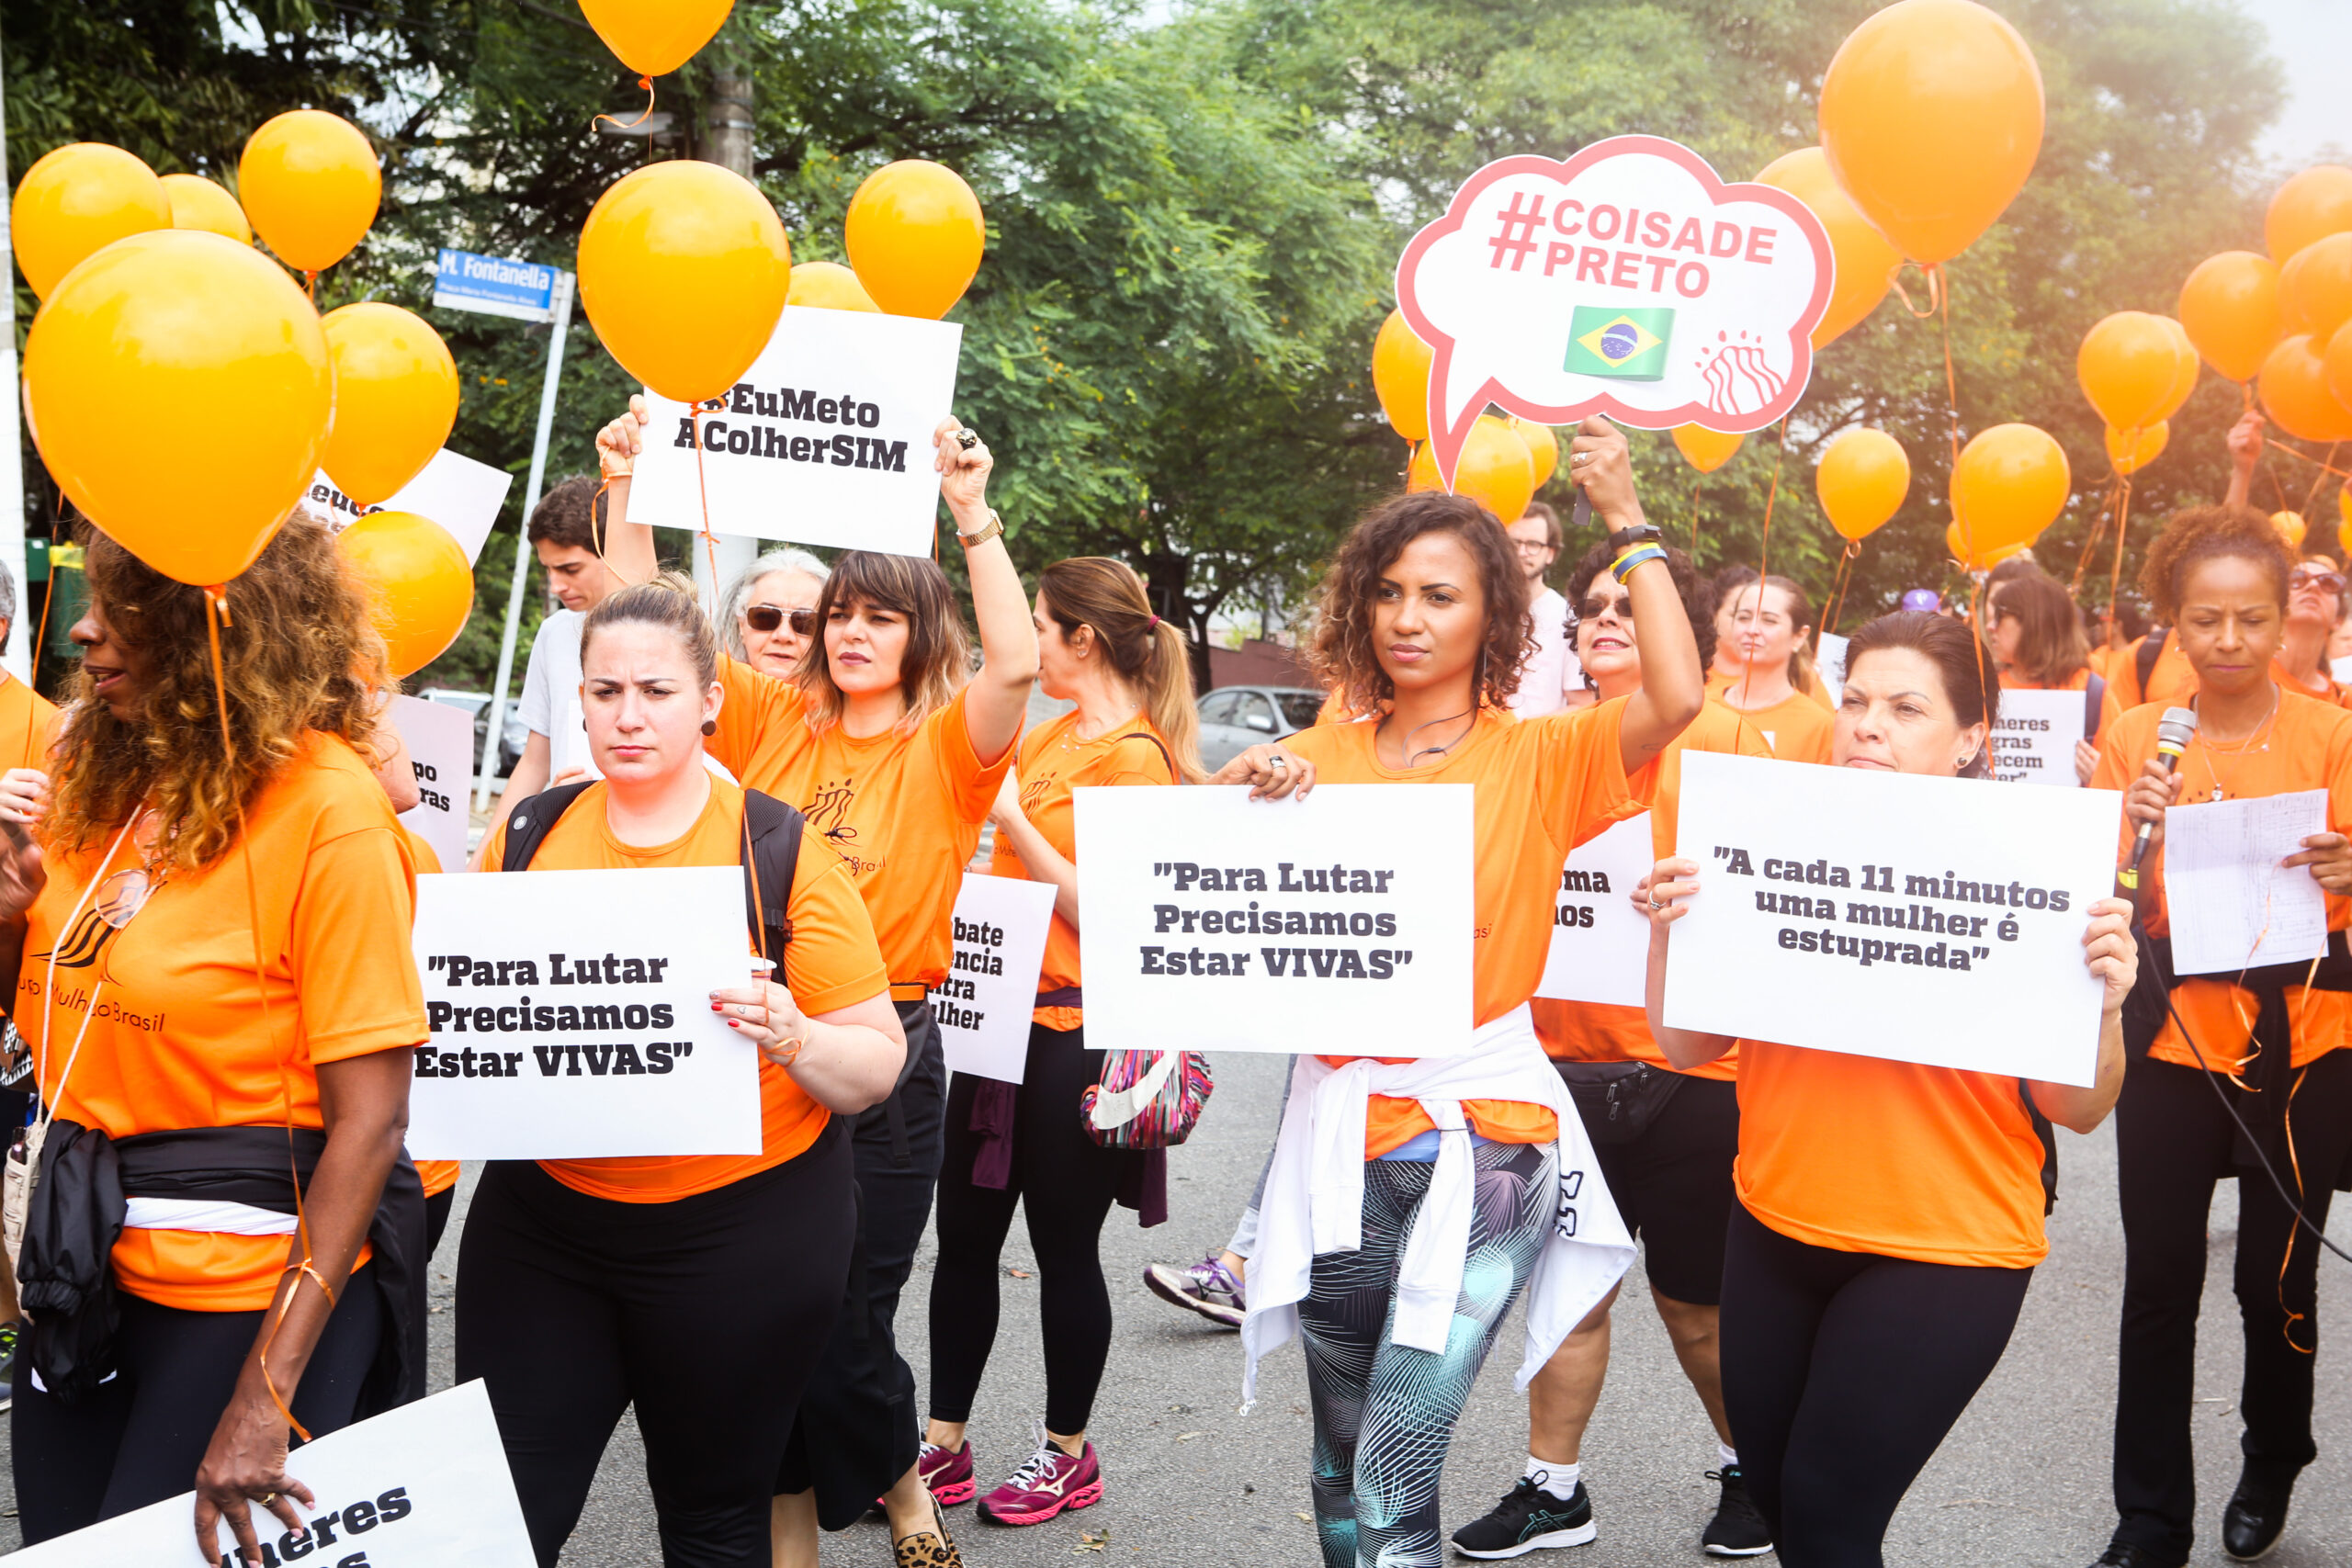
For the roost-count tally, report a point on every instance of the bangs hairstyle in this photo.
(2051, 645)
(667, 601)
(1147, 653)
(2208, 532)
(938, 656)
(1964, 664)
(298, 653)
(1343, 657)
(1698, 596)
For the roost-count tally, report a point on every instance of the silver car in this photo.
(1234, 719)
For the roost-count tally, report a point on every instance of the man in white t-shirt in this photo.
(1551, 679)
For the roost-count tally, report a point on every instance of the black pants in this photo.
(141, 1436)
(1842, 1372)
(1066, 1183)
(707, 1313)
(2173, 1141)
(857, 1433)
(437, 1219)
(1672, 1187)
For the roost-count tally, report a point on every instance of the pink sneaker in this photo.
(1048, 1482)
(946, 1473)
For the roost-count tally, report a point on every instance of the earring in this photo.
(710, 727)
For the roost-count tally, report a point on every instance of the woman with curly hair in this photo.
(206, 941)
(2268, 1042)
(1424, 625)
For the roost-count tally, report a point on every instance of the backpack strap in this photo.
(775, 830)
(529, 824)
(2152, 648)
(2094, 703)
(1175, 773)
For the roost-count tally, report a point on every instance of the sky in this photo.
(2314, 40)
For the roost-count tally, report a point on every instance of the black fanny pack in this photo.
(1618, 1100)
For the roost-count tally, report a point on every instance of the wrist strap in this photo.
(980, 536)
(1624, 565)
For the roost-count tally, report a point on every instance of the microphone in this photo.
(2172, 735)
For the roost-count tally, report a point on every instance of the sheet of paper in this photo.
(440, 748)
(984, 1004)
(1831, 663)
(1600, 943)
(2232, 906)
(2033, 741)
(452, 490)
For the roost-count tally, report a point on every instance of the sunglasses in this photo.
(2306, 577)
(767, 617)
(1592, 609)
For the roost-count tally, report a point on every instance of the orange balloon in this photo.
(1494, 469)
(1862, 480)
(828, 286)
(1706, 450)
(420, 587)
(395, 399)
(1931, 119)
(2336, 363)
(1543, 448)
(2186, 353)
(915, 236)
(2307, 209)
(311, 183)
(1983, 560)
(2010, 483)
(197, 203)
(2128, 366)
(2131, 450)
(1866, 262)
(654, 38)
(2315, 288)
(2344, 513)
(1400, 378)
(2295, 393)
(181, 321)
(2291, 527)
(683, 270)
(2229, 308)
(79, 199)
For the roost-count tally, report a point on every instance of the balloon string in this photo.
(32, 670)
(2123, 537)
(709, 540)
(1763, 567)
(1845, 579)
(2326, 467)
(2310, 497)
(2097, 530)
(1935, 288)
(625, 127)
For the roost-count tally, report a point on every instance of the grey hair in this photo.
(730, 617)
(7, 595)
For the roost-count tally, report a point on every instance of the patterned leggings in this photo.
(1383, 1413)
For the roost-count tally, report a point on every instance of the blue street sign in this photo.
(495, 286)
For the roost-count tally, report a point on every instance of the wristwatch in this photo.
(1624, 539)
(989, 530)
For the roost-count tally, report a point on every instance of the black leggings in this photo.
(2173, 1141)
(1842, 1372)
(705, 1312)
(1066, 1183)
(139, 1438)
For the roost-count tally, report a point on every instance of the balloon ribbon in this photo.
(625, 127)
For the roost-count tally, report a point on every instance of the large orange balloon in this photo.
(1400, 378)
(1543, 448)
(683, 270)
(79, 199)
(1980, 560)
(829, 286)
(2186, 352)
(180, 388)
(311, 183)
(420, 588)
(1862, 481)
(2307, 209)
(2128, 366)
(1866, 262)
(2336, 363)
(2010, 484)
(395, 399)
(197, 203)
(1931, 118)
(1705, 450)
(2295, 392)
(2131, 450)
(2229, 308)
(915, 236)
(1494, 469)
(2315, 288)
(654, 38)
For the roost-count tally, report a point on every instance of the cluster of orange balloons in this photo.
(1506, 460)
(2282, 322)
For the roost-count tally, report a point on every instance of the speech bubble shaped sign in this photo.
(1629, 281)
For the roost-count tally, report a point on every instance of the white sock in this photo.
(1728, 1455)
(1559, 1480)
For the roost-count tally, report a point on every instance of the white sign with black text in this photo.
(1218, 923)
(826, 440)
(570, 1016)
(1830, 663)
(1600, 943)
(440, 749)
(1925, 919)
(984, 1004)
(453, 489)
(2033, 741)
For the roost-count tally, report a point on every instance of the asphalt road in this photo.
(2022, 1481)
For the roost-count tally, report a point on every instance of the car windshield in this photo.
(1299, 708)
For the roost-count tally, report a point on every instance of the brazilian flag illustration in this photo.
(1628, 346)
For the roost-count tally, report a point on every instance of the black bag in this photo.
(1617, 1100)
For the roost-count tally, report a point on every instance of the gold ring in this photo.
(266, 1498)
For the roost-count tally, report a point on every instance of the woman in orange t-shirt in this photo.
(2266, 1043)
(1770, 620)
(132, 959)
(2036, 638)
(1875, 1192)
(701, 1288)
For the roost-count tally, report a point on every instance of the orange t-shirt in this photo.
(830, 962)
(903, 811)
(2171, 683)
(2309, 746)
(1054, 762)
(1797, 729)
(27, 726)
(438, 1175)
(179, 1037)
(1542, 786)
(1603, 1032)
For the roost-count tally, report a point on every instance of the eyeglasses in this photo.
(2311, 577)
(767, 617)
(1533, 547)
(1593, 609)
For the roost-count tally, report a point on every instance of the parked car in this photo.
(1236, 717)
(510, 743)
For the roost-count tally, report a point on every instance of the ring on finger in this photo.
(1578, 459)
(266, 1498)
(968, 439)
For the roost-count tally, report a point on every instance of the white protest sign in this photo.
(2341, 668)
(826, 440)
(453, 489)
(440, 748)
(1628, 280)
(1830, 663)
(984, 1004)
(567, 748)
(1600, 943)
(2233, 905)
(423, 1487)
(1218, 923)
(1925, 919)
(571, 1017)
(2033, 741)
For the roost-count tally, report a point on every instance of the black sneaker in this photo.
(12, 1335)
(2122, 1556)
(1737, 1529)
(2257, 1516)
(1526, 1520)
